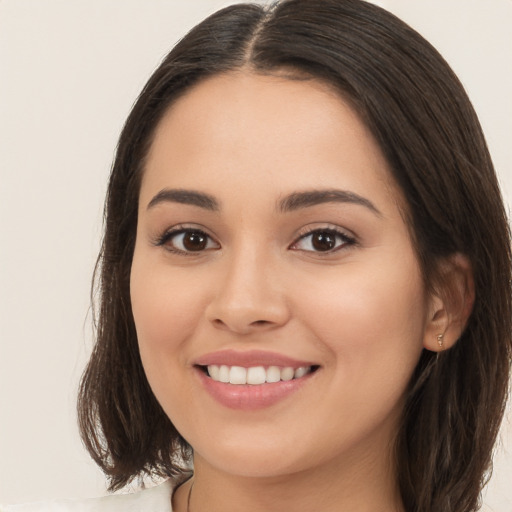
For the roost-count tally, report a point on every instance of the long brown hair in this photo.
(427, 129)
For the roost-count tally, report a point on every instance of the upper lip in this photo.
(249, 358)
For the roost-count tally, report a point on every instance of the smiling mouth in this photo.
(255, 375)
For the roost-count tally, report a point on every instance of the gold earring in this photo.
(440, 340)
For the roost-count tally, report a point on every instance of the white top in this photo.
(155, 499)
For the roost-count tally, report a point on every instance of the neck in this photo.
(367, 484)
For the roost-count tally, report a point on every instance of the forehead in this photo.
(265, 130)
(281, 103)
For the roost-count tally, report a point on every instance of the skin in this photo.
(360, 311)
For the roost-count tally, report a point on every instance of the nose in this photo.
(249, 297)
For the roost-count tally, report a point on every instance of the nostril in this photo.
(242, 321)
(260, 322)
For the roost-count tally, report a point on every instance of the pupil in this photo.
(194, 241)
(324, 241)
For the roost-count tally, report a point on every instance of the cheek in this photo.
(372, 321)
(166, 310)
(372, 325)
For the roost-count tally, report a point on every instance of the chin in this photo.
(253, 463)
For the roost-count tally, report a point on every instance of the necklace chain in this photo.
(189, 495)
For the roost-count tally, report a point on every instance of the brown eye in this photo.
(323, 240)
(187, 241)
(193, 241)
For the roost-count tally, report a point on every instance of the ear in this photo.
(450, 304)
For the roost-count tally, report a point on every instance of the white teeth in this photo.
(300, 372)
(237, 375)
(214, 372)
(255, 374)
(287, 373)
(273, 374)
(224, 373)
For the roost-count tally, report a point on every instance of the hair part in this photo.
(420, 116)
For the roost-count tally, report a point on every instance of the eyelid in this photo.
(170, 233)
(349, 239)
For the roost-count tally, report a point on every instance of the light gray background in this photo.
(69, 72)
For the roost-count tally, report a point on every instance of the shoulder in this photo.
(155, 499)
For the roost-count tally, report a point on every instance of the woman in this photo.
(305, 273)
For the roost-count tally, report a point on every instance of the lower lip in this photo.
(251, 397)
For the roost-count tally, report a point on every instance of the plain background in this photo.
(69, 73)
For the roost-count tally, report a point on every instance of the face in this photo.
(278, 301)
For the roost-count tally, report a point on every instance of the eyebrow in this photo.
(181, 196)
(292, 202)
(309, 198)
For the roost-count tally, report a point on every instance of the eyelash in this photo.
(346, 240)
(168, 236)
(163, 240)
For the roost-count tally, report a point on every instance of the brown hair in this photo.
(427, 129)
